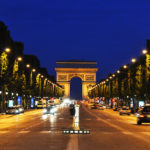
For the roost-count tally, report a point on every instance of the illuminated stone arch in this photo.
(66, 71)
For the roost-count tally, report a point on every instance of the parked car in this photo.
(125, 110)
(15, 110)
(143, 115)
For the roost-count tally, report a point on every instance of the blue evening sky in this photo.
(110, 32)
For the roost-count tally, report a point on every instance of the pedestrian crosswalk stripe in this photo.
(45, 131)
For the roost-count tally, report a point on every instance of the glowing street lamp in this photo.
(113, 75)
(118, 71)
(28, 65)
(125, 67)
(7, 50)
(33, 70)
(19, 58)
(133, 60)
(144, 51)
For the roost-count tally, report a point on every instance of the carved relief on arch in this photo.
(81, 76)
(89, 77)
(62, 77)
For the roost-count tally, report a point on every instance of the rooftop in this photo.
(76, 64)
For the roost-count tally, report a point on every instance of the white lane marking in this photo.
(61, 118)
(23, 132)
(73, 143)
(43, 132)
(127, 133)
(2, 132)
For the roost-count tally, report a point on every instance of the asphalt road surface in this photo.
(109, 131)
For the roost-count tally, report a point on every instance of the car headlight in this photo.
(138, 115)
(55, 109)
(16, 111)
(45, 110)
(20, 109)
(52, 110)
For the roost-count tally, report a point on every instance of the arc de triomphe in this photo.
(85, 70)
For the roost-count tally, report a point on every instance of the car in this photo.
(50, 110)
(15, 110)
(143, 116)
(125, 110)
(20, 108)
(107, 107)
(90, 104)
(100, 107)
(94, 106)
(41, 104)
(114, 108)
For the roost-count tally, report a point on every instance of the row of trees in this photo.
(130, 81)
(21, 75)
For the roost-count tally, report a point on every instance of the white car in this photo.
(100, 107)
(125, 110)
(15, 110)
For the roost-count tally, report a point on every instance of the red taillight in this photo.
(142, 116)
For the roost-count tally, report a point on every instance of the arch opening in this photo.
(76, 88)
